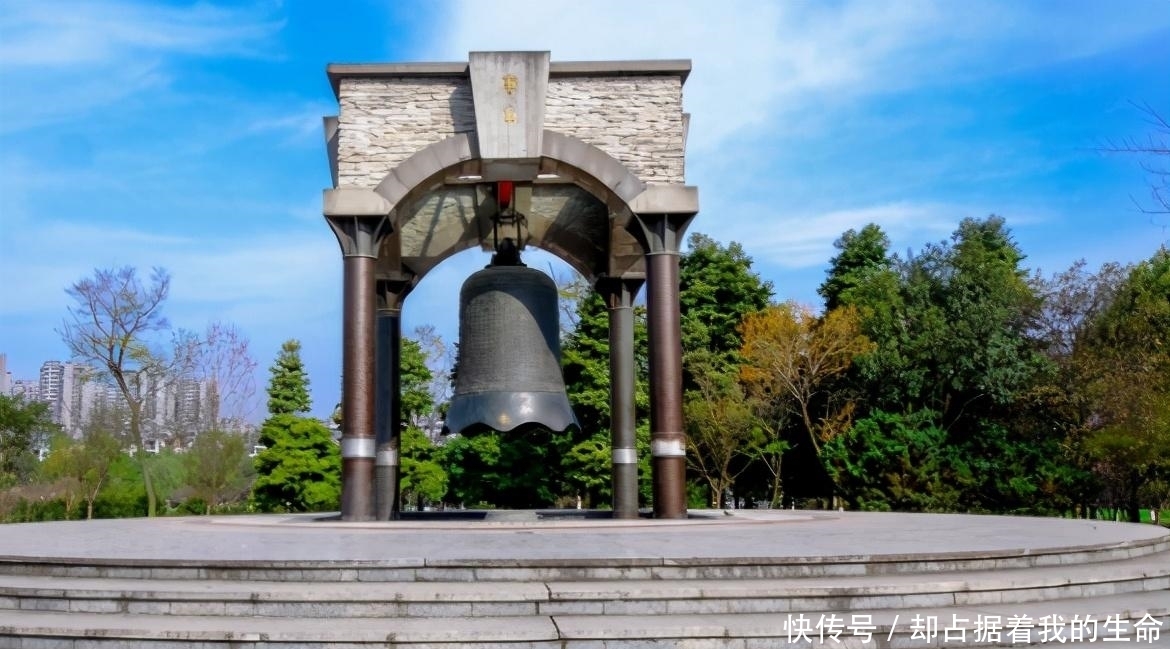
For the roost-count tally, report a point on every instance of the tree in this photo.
(954, 329)
(288, 385)
(1128, 349)
(440, 360)
(86, 463)
(109, 326)
(217, 467)
(862, 255)
(585, 363)
(23, 426)
(721, 430)
(717, 289)
(1154, 152)
(300, 468)
(790, 359)
(896, 462)
(588, 470)
(223, 360)
(422, 479)
(415, 382)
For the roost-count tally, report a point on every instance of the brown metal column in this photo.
(388, 400)
(357, 404)
(359, 238)
(667, 441)
(619, 297)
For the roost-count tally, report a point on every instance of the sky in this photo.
(188, 136)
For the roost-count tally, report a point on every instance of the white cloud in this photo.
(804, 240)
(60, 60)
(89, 33)
(771, 78)
(762, 65)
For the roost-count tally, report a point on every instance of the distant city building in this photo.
(173, 410)
(30, 389)
(5, 376)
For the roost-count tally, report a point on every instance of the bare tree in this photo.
(223, 360)
(440, 361)
(1154, 151)
(109, 326)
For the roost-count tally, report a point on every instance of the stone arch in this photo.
(509, 116)
(427, 175)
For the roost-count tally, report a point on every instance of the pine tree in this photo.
(300, 470)
(288, 389)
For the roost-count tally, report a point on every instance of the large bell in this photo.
(509, 373)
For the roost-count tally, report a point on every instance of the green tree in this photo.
(23, 425)
(897, 462)
(288, 385)
(422, 478)
(862, 255)
(87, 464)
(586, 456)
(217, 467)
(1127, 357)
(721, 432)
(717, 289)
(415, 382)
(588, 470)
(300, 468)
(954, 329)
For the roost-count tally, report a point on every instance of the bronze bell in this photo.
(509, 373)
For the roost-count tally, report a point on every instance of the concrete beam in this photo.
(671, 67)
(666, 199)
(355, 201)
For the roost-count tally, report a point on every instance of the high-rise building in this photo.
(60, 386)
(52, 376)
(30, 389)
(173, 410)
(5, 376)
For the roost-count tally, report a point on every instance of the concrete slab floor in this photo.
(713, 536)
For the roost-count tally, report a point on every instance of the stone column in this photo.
(661, 235)
(619, 298)
(360, 238)
(387, 399)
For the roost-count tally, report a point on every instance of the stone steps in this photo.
(577, 569)
(731, 581)
(54, 630)
(875, 592)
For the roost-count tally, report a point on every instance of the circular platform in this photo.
(716, 535)
(719, 579)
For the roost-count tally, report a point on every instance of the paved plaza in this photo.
(738, 534)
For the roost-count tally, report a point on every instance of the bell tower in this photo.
(582, 159)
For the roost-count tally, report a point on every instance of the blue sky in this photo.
(188, 136)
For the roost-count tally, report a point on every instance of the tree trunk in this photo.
(777, 493)
(89, 509)
(148, 482)
(143, 463)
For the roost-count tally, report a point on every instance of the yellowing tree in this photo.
(791, 359)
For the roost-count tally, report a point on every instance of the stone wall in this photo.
(636, 119)
(385, 121)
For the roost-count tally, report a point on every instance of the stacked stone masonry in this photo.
(637, 120)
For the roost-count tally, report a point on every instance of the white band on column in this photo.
(357, 447)
(625, 456)
(667, 448)
(387, 457)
